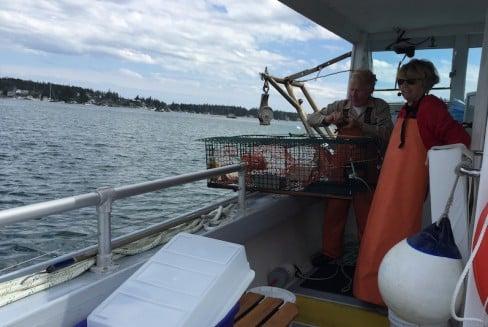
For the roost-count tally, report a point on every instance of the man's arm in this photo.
(318, 118)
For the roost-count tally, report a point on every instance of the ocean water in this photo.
(54, 150)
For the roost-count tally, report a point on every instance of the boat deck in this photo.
(327, 300)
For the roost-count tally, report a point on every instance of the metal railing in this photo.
(103, 199)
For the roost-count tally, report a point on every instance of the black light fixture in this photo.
(402, 49)
(402, 45)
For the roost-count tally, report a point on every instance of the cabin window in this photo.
(474, 59)
(385, 64)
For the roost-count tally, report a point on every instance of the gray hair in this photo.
(365, 77)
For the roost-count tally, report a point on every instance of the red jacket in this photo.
(436, 125)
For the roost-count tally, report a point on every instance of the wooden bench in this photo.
(257, 310)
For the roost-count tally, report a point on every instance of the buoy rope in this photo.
(463, 275)
(450, 199)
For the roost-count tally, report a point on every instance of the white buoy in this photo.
(417, 285)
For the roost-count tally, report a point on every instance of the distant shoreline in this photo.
(124, 107)
(30, 90)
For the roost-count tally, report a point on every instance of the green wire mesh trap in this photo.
(292, 164)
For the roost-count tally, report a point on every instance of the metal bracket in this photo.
(106, 198)
(468, 171)
(465, 168)
(242, 190)
(104, 261)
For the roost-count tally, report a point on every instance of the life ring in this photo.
(480, 263)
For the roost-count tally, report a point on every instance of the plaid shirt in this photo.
(379, 127)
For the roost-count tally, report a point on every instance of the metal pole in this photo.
(141, 188)
(103, 199)
(90, 251)
(104, 212)
(301, 114)
(242, 190)
(319, 67)
(292, 102)
(299, 108)
(315, 109)
(38, 210)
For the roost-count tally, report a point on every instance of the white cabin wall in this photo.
(361, 57)
(473, 305)
(459, 65)
(293, 241)
(481, 102)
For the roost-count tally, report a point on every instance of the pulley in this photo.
(265, 113)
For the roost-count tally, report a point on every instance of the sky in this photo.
(184, 51)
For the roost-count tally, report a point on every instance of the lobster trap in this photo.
(298, 165)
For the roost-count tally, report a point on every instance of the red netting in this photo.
(295, 164)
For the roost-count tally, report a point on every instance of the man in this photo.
(360, 114)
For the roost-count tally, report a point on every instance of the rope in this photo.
(348, 259)
(445, 213)
(23, 286)
(322, 76)
(356, 177)
(463, 276)
(450, 199)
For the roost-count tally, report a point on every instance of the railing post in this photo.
(104, 211)
(242, 189)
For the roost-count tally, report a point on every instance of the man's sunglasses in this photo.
(410, 81)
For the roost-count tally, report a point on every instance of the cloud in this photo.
(384, 70)
(326, 94)
(130, 73)
(218, 41)
(183, 32)
(444, 69)
(472, 73)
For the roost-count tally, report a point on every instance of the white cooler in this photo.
(192, 281)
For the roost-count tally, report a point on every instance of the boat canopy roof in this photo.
(377, 20)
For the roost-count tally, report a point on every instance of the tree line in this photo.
(75, 94)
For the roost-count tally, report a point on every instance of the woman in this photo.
(397, 204)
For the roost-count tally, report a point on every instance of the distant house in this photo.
(11, 94)
(21, 93)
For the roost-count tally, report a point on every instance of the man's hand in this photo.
(334, 118)
(353, 123)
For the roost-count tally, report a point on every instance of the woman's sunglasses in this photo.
(410, 81)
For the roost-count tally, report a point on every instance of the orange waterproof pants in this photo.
(396, 210)
(335, 219)
(336, 210)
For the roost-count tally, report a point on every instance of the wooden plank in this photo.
(284, 316)
(260, 313)
(247, 302)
